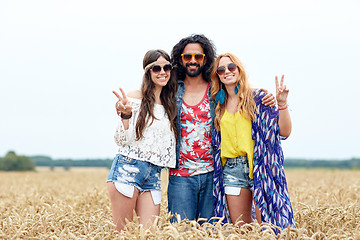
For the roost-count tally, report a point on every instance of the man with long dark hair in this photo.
(190, 189)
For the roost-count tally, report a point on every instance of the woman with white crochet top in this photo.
(146, 136)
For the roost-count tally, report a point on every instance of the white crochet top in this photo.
(158, 144)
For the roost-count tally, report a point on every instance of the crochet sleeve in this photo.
(123, 136)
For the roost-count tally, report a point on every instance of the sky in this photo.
(60, 61)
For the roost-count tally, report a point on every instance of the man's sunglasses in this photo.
(188, 56)
(221, 70)
(157, 68)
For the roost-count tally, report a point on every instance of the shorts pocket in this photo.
(125, 159)
(230, 163)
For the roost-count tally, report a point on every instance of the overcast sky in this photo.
(60, 61)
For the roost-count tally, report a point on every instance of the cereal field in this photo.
(74, 205)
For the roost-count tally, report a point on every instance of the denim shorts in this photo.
(236, 175)
(127, 173)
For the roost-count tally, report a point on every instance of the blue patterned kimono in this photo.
(270, 188)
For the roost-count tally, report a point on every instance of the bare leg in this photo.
(240, 205)
(146, 209)
(122, 206)
(258, 213)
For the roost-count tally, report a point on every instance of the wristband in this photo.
(124, 116)
(283, 107)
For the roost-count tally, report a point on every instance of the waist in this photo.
(239, 159)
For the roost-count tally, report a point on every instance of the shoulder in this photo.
(135, 94)
(258, 92)
(258, 95)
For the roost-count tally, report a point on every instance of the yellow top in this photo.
(236, 138)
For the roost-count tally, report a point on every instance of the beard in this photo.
(192, 72)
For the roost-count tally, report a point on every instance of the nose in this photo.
(193, 59)
(162, 71)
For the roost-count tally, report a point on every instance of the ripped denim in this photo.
(236, 175)
(127, 173)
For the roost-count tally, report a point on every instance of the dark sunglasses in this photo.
(221, 70)
(188, 56)
(157, 68)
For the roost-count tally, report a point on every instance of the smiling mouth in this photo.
(192, 66)
(229, 76)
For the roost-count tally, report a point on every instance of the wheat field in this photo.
(75, 205)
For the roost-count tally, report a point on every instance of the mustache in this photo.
(192, 64)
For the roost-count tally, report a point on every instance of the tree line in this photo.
(13, 162)
(353, 163)
(47, 161)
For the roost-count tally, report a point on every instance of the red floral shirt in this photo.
(195, 147)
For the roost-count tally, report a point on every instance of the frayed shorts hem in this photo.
(128, 191)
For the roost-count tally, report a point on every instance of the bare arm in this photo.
(284, 115)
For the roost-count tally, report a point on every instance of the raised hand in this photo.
(281, 91)
(122, 105)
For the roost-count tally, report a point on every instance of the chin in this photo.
(193, 73)
(163, 84)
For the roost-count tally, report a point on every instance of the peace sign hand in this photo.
(122, 105)
(281, 91)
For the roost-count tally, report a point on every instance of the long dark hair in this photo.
(167, 95)
(209, 51)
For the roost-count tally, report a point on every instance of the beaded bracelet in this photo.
(283, 107)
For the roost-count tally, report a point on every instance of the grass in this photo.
(75, 205)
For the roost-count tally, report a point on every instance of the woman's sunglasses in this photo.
(188, 56)
(157, 68)
(221, 70)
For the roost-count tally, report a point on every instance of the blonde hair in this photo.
(246, 104)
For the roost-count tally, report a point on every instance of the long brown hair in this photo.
(167, 95)
(246, 103)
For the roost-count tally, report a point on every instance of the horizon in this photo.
(104, 158)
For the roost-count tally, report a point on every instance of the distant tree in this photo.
(52, 167)
(67, 167)
(13, 162)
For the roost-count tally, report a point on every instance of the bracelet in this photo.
(124, 116)
(283, 107)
